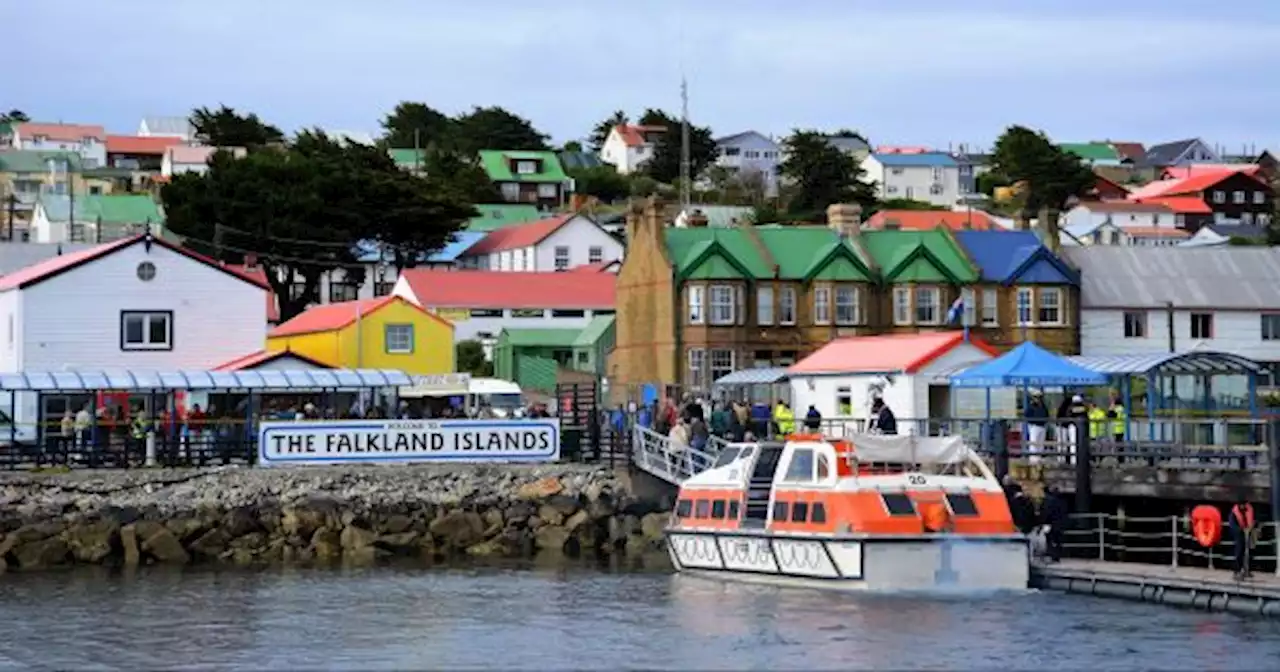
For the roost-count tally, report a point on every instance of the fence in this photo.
(1166, 541)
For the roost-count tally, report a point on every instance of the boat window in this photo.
(733, 509)
(702, 508)
(717, 509)
(801, 467)
(727, 456)
(800, 512)
(683, 508)
(819, 514)
(898, 504)
(824, 467)
(961, 504)
(781, 511)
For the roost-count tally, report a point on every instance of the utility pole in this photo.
(417, 153)
(13, 204)
(71, 193)
(686, 186)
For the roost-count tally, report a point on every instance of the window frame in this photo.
(764, 306)
(1059, 296)
(716, 301)
(1030, 306)
(854, 305)
(787, 300)
(147, 316)
(1274, 320)
(595, 254)
(991, 299)
(903, 306)
(969, 309)
(557, 258)
(1191, 320)
(712, 367)
(696, 373)
(387, 338)
(695, 300)
(822, 305)
(936, 295)
(1139, 319)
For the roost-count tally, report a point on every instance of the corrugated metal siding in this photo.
(536, 373)
(1219, 278)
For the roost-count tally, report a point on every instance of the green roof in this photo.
(110, 208)
(35, 161)
(594, 331)
(497, 163)
(498, 216)
(919, 256)
(407, 158)
(1091, 151)
(541, 338)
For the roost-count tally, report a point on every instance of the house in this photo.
(527, 176)
(388, 332)
(910, 371)
(719, 216)
(1131, 153)
(1156, 300)
(135, 152)
(572, 161)
(751, 152)
(1089, 214)
(628, 146)
(553, 244)
(1197, 169)
(252, 269)
(536, 357)
(1107, 232)
(1181, 152)
(19, 255)
(89, 141)
(1106, 189)
(348, 137)
(27, 175)
(480, 304)
(496, 216)
(1093, 153)
(168, 127)
(931, 177)
(377, 275)
(94, 218)
(1212, 197)
(1222, 234)
(970, 165)
(924, 220)
(179, 159)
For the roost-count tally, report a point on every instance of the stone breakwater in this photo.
(312, 515)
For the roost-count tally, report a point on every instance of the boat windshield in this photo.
(732, 454)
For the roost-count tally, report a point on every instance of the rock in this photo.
(564, 504)
(303, 520)
(653, 527)
(403, 543)
(458, 529)
(601, 507)
(576, 520)
(493, 519)
(254, 541)
(519, 512)
(240, 521)
(28, 534)
(211, 544)
(551, 538)
(165, 547)
(129, 545)
(326, 543)
(92, 542)
(541, 488)
(396, 524)
(550, 515)
(354, 537)
(43, 553)
(186, 529)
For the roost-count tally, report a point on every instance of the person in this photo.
(882, 418)
(699, 436)
(678, 444)
(1037, 415)
(1070, 414)
(1021, 509)
(83, 425)
(1118, 421)
(1053, 515)
(720, 419)
(783, 418)
(813, 419)
(1098, 424)
(1242, 529)
(67, 432)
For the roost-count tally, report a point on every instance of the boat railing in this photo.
(1162, 540)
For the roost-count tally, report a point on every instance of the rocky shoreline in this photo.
(321, 515)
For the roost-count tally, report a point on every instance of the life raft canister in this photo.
(935, 516)
(1206, 525)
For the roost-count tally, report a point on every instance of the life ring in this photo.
(935, 516)
(1206, 525)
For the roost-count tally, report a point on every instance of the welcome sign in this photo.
(403, 441)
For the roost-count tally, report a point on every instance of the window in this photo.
(937, 175)
(819, 513)
(891, 189)
(695, 304)
(1135, 324)
(764, 305)
(721, 364)
(146, 330)
(383, 288)
(1201, 325)
(1259, 198)
(398, 339)
(568, 313)
(732, 151)
(484, 312)
(1237, 197)
(935, 189)
(95, 190)
(717, 509)
(990, 308)
(961, 504)
(787, 306)
(781, 511)
(701, 508)
(722, 304)
(342, 291)
(844, 401)
(548, 191)
(824, 468)
(928, 310)
(584, 358)
(898, 504)
(895, 171)
(697, 367)
(1219, 197)
(1270, 327)
(595, 254)
(528, 312)
(822, 306)
(1050, 306)
(902, 305)
(800, 512)
(562, 258)
(684, 507)
(1246, 218)
(1025, 298)
(847, 308)
(733, 509)
(298, 290)
(968, 299)
(800, 468)
(510, 191)
(526, 167)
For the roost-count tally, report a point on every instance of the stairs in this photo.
(651, 452)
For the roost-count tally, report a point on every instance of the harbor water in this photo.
(390, 618)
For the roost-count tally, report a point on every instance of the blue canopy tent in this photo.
(1026, 366)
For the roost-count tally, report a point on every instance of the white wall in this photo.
(45, 231)
(93, 151)
(1235, 332)
(914, 182)
(579, 235)
(1081, 215)
(625, 159)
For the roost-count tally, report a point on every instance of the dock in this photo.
(1188, 587)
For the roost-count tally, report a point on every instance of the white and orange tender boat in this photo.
(866, 513)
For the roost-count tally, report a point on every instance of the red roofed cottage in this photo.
(553, 244)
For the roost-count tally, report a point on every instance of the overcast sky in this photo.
(904, 72)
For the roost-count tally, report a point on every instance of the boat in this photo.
(866, 512)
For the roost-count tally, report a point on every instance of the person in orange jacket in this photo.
(1242, 528)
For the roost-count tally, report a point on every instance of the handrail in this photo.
(652, 452)
(1162, 540)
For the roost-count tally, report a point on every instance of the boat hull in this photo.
(858, 563)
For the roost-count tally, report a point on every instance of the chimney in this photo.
(646, 217)
(250, 261)
(846, 218)
(696, 219)
(1049, 228)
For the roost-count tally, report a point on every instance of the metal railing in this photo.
(1166, 541)
(652, 452)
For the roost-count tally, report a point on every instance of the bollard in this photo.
(998, 434)
(1084, 468)
(151, 449)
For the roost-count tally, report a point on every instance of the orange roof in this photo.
(63, 132)
(892, 353)
(922, 220)
(334, 316)
(633, 134)
(902, 149)
(1184, 186)
(1186, 205)
(1192, 170)
(136, 144)
(598, 267)
(255, 359)
(518, 236)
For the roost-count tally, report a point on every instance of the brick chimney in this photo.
(846, 218)
(646, 217)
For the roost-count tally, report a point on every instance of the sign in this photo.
(454, 314)
(401, 441)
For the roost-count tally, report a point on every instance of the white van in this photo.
(503, 396)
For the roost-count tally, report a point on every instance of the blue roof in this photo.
(1028, 364)
(1010, 257)
(912, 160)
(1196, 362)
(367, 251)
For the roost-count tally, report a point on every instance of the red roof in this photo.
(35, 273)
(633, 134)
(893, 353)
(255, 359)
(1129, 150)
(1186, 205)
(135, 144)
(598, 267)
(63, 132)
(1185, 186)
(519, 235)
(1195, 169)
(902, 149)
(923, 220)
(259, 275)
(511, 289)
(334, 316)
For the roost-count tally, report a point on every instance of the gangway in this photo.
(652, 453)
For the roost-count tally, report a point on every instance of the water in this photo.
(389, 618)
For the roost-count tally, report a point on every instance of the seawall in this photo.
(245, 516)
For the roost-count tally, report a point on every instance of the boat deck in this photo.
(1195, 587)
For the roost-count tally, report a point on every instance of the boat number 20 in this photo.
(916, 479)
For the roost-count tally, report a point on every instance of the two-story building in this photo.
(1180, 153)
(179, 159)
(970, 163)
(931, 177)
(95, 218)
(89, 141)
(376, 275)
(1088, 215)
(139, 153)
(629, 146)
(1212, 197)
(26, 175)
(179, 128)
(536, 178)
(751, 152)
(553, 244)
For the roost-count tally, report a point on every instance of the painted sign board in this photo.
(403, 441)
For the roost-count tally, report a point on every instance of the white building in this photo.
(167, 127)
(180, 159)
(552, 244)
(628, 146)
(1121, 223)
(89, 141)
(932, 177)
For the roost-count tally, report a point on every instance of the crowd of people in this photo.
(1061, 428)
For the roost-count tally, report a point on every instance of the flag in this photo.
(956, 311)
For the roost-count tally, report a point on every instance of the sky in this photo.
(918, 72)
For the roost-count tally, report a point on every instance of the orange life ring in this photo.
(1206, 525)
(935, 516)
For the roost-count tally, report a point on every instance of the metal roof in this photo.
(1215, 278)
(768, 376)
(81, 381)
(1189, 363)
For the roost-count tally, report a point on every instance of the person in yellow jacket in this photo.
(1097, 422)
(784, 418)
(1118, 418)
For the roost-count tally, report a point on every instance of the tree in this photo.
(664, 165)
(494, 128)
(416, 125)
(461, 175)
(224, 127)
(603, 182)
(601, 131)
(736, 187)
(14, 116)
(822, 175)
(849, 133)
(572, 146)
(908, 204)
(469, 358)
(1050, 175)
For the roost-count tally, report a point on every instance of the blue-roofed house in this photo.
(380, 273)
(931, 177)
(1025, 291)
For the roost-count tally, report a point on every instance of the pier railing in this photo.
(1166, 541)
(654, 453)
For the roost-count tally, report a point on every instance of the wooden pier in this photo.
(1189, 587)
